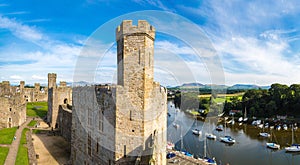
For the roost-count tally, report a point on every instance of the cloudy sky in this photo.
(256, 42)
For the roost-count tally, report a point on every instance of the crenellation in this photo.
(62, 84)
(127, 29)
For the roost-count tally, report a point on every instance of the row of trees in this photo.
(278, 100)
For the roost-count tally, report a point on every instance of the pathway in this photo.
(13, 150)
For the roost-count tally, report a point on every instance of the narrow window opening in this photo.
(124, 151)
(130, 115)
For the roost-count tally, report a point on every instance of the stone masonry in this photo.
(124, 123)
(13, 106)
(57, 95)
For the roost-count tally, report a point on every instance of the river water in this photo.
(249, 149)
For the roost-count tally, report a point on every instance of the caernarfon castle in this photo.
(125, 123)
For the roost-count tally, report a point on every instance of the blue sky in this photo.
(257, 42)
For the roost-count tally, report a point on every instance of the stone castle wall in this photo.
(93, 116)
(13, 106)
(65, 121)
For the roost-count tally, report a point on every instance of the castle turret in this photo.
(37, 87)
(22, 84)
(51, 80)
(135, 52)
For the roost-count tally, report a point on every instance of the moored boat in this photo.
(196, 131)
(175, 125)
(273, 145)
(293, 148)
(264, 134)
(227, 139)
(211, 136)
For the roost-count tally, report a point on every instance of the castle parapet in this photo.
(62, 84)
(143, 27)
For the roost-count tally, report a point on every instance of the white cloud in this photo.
(46, 55)
(39, 78)
(252, 39)
(17, 77)
(19, 30)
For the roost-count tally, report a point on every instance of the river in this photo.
(249, 149)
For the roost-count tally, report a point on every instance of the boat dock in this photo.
(182, 159)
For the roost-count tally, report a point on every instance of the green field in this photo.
(7, 135)
(32, 123)
(3, 154)
(22, 156)
(37, 109)
(223, 97)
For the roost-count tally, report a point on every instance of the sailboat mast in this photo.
(181, 141)
(225, 127)
(204, 147)
(292, 134)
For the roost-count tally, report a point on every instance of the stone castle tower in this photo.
(57, 95)
(124, 123)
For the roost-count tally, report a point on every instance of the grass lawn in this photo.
(3, 154)
(36, 131)
(7, 135)
(22, 156)
(35, 109)
(32, 123)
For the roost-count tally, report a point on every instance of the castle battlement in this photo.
(143, 28)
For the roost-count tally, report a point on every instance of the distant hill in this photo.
(247, 87)
(192, 85)
(209, 86)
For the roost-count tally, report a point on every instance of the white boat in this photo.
(264, 134)
(211, 136)
(227, 139)
(196, 131)
(240, 119)
(176, 125)
(285, 127)
(273, 145)
(278, 127)
(210, 161)
(293, 147)
(267, 125)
